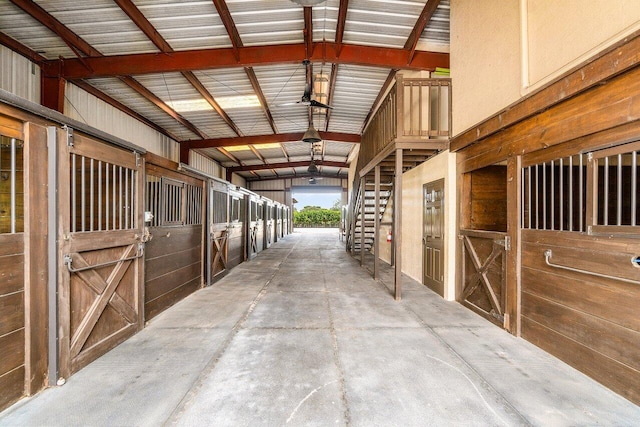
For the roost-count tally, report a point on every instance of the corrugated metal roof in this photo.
(195, 24)
(186, 24)
(261, 22)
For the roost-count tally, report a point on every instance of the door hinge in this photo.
(138, 159)
(69, 131)
(507, 243)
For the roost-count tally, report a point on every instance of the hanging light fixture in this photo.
(312, 167)
(311, 135)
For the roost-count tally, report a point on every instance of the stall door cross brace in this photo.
(220, 243)
(106, 291)
(480, 276)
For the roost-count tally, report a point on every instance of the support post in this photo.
(376, 242)
(514, 208)
(397, 238)
(362, 199)
(52, 92)
(184, 154)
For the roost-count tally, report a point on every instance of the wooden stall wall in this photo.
(572, 285)
(219, 230)
(237, 229)
(174, 255)
(23, 247)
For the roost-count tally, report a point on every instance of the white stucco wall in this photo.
(441, 166)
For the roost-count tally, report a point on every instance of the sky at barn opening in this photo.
(323, 199)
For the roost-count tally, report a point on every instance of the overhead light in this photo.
(238, 148)
(312, 168)
(188, 105)
(238, 101)
(308, 2)
(311, 135)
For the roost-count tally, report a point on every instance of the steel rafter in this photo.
(80, 46)
(207, 59)
(286, 165)
(152, 34)
(424, 18)
(236, 43)
(268, 139)
(308, 30)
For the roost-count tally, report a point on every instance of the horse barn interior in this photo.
(487, 157)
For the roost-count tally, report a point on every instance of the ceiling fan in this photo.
(309, 96)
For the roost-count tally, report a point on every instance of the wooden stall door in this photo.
(218, 230)
(100, 287)
(433, 236)
(483, 273)
(174, 255)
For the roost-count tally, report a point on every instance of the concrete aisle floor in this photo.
(303, 336)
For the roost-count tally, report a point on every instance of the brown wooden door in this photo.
(100, 287)
(433, 236)
(483, 273)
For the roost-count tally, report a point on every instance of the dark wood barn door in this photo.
(218, 230)
(175, 251)
(100, 288)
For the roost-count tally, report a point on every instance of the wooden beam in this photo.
(269, 139)
(208, 59)
(286, 165)
(397, 228)
(424, 18)
(342, 19)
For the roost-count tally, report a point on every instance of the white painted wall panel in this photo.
(86, 108)
(19, 76)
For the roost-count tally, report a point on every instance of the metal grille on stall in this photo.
(173, 263)
(101, 241)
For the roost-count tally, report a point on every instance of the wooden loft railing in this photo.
(415, 115)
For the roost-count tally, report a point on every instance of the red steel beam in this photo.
(149, 30)
(294, 176)
(286, 165)
(52, 93)
(236, 43)
(308, 30)
(135, 85)
(342, 19)
(76, 42)
(332, 88)
(143, 23)
(229, 25)
(263, 101)
(114, 103)
(204, 59)
(424, 18)
(21, 49)
(268, 139)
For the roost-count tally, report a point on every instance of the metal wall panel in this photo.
(206, 165)
(86, 108)
(19, 76)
